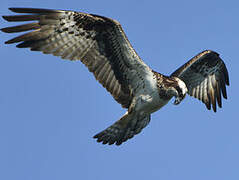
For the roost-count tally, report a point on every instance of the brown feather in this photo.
(16, 18)
(34, 35)
(33, 10)
(21, 28)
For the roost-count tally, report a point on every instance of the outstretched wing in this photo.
(99, 42)
(206, 77)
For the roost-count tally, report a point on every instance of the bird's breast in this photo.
(158, 102)
(151, 100)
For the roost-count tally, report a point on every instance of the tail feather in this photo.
(124, 129)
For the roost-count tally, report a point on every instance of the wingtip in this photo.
(224, 94)
(9, 42)
(95, 136)
(18, 9)
(5, 18)
(99, 139)
(227, 80)
(3, 30)
(32, 10)
(6, 30)
(14, 9)
(226, 75)
(208, 105)
(215, 109)
(11, 8)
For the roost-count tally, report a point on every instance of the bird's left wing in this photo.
(206, 77)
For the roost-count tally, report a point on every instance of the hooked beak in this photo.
(177, 101)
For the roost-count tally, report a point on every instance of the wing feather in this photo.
(205, 96)
(21, 28)
(206, 78)
(99, 42)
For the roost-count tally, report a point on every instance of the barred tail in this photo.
(123, 129)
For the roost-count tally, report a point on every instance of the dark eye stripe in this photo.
(179, 90)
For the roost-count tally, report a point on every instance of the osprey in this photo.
(101, 44)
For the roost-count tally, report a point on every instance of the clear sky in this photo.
(50, 108)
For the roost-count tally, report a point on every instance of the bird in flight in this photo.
(101, 44)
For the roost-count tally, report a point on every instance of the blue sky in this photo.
(50, 108)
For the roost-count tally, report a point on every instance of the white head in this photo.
(181, 90)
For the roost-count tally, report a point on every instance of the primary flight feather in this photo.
(101, 44)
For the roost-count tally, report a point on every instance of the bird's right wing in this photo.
(99, 42)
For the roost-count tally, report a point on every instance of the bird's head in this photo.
(176, 88)
(180, 90)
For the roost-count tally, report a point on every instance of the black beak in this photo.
(177, 101)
